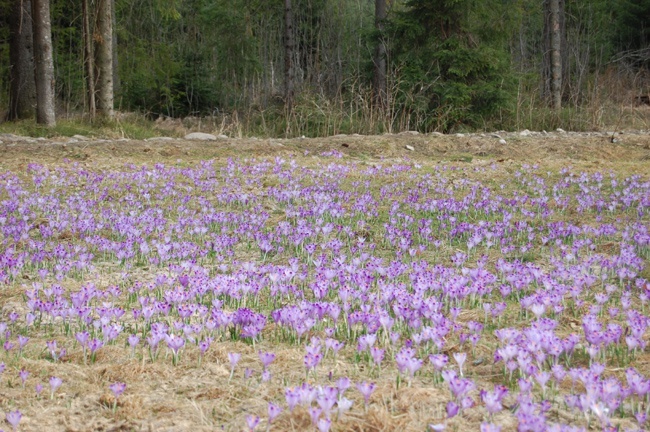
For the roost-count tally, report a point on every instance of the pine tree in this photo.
(452, 62)
(633, 30)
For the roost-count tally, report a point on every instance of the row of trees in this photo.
(431, 64)
(31, 67)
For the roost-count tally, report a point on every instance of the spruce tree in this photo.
(633, 30)
(452, 62)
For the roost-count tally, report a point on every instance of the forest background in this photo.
(324, 67)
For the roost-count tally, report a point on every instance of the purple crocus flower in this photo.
(460, 386)
(51, 347)
(292, 397)
(466, 402)
(452, 409)
(23, 374)
(22, 341)
(377, 355)
(312, 360)
(273, 411)
(184, 280)
(133, 340)
(55, 383)
(117, 388)
(601, 412)
(82, 338)
(489, 427)
(266, 358)
(175, 343)
(314, 413)
(343, 405)
(252, 422)
(413, 364)
(460, 359)
(234, 359)
(439, 361)
(95, 345)
(13, 418)
(342, 384)
(307, 394)
(324, 424)
(326, 402)
(366, 389)
(492, 399)
(542, 377)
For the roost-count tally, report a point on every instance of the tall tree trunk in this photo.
(554, 47)
(379, 76)
(22, 87)
(288, 55)
(116, 75)
(104, 60)
(88, 59)
(44, 63)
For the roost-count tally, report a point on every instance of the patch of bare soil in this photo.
(594, 150)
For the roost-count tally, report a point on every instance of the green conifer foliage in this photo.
(451, 61)
(633, 29)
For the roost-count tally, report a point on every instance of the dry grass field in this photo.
(399, 282)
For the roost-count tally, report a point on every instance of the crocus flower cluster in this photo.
(438, 278)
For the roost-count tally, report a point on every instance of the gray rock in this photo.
(200, 136)
(80, 137)
(410, 133)
(162, 138)
(560, 130)
(502, 141)
(13, 138)
(437, 134)
(496, 135)
(524, 133)
(410, 148)
(222, 136)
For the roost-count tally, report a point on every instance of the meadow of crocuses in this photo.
(322, 293)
